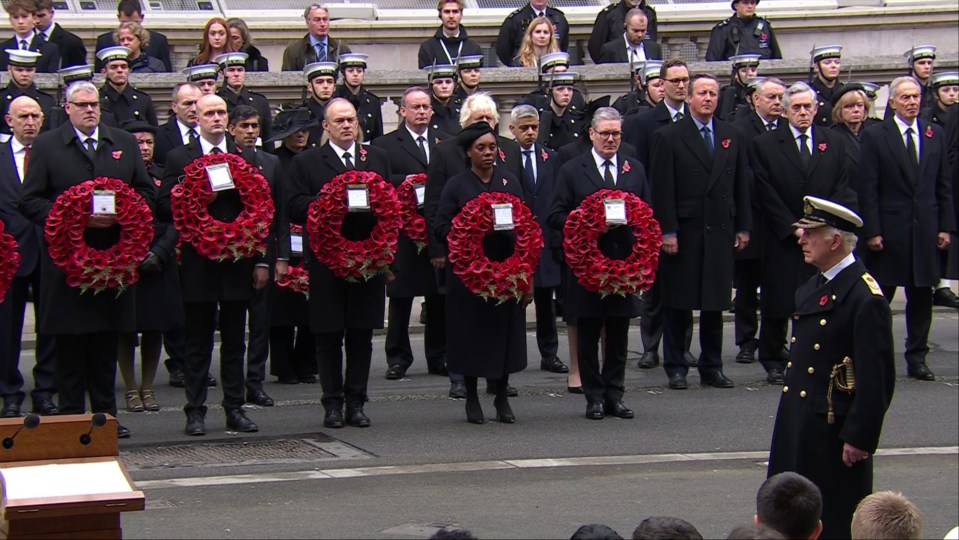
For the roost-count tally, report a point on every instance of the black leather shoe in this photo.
(194, 425)
(691, 360)
(594, 411)
(457, 390)
(511, 390)
(307, 379)
(177, 378)
(747, 353)
(45, 407)
(438, 370)
(717, 380)
(210, 381)
(333, 419)
(237, 421)
(649, 360)
(574, 389)
(11, 408)
(123, 432)
(395, 372)
(677, 382)
(946, 298)
(920, 371)
(553, 364)
(356, 418)
(259, 397)
(776, 376)
(422, 312)
(617, 409)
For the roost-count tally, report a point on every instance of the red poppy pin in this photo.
(625, 167)
(928, 132)
(823, 300)
(725, 143)
(117, 154)
(544, 155)
(764, 36)
(822, 147)
(504, 181)
(362, 153)
(158, 182)
(502, 155)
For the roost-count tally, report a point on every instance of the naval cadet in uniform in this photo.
(733, 96)
(235, 92)
(22, 67)
(118, 95)
(824, 79)
(442, 81)
(366, 103)
(320, 86)
(743, 33)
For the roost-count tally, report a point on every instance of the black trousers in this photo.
(12, 312)
(651, 320)
(86, 364)
(546, 339)
(292, 352)
(201, 318)
(772, 342)
(607, 384)
(710, 341)
(258, 345)
(746, 302)
(918, 321)
(399, 351)
(174, 342)
(350, 389)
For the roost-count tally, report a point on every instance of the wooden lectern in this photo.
(63, 478)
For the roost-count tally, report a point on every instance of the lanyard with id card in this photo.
(502, 217)
(357, 198)
(219, 177)
(615, 211)
(104, 203)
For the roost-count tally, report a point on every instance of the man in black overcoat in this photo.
(905, 195)
(410, 148)
(214, 291)
(85, 326)
(785, 173)
(841, 374)
(701, 198)
(181, 128)
(341, 312)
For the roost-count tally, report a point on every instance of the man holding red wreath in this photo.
(86, 326)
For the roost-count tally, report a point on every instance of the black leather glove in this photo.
(151, 263)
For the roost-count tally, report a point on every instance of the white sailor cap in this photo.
(562, 78)
(440, 71)
(110, 54)
(319, 69)
(552, 60)
(743, 60)
(201, 72)
(945, 78)
(76, 73)
(469, 62)
(231, 59)
(922, 51)
(822, 213)
(649, 70)
(828, 51)
(752, 84)
(352, 60)
(21, 58)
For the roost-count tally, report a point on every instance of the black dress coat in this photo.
(638, 130)
(483, 339)
(58, 162)
(824, 100)
(540, 199)
(846, 317)
(851, 142)
(168, 137)
(753, 126)
(72, 50)
(129, 105)
(336, 304)
(158, 48)
(781, 184)
(703, 201)
(49, 61)
(609, 23)
(159, 301)
(614, 52)
(25, 232)
(446, 117)
(287, 308)
(731, 98)
(415, 276)
(203, 279)
(578, 179)
(908, 209)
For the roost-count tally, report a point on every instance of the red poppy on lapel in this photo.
(158, 182)
(362, 153)
(725, 143)
(502, 155)
(117, 154)
(823, 300)
(544, 155)
(764, 36)
(625, 167)
(928, 132)
(822, 147)
(239, 150)
(504, 181)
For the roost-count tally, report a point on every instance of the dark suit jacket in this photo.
(167, 138)
(300, 53)
(58, 162)
(25, 232)
(71, 47)
(781, 184)
(158, 48)
(574, 149)
(704, 201)
(908, 208)
(539, 199)
(336, 304)
(49, 62)
(578, 179)
(614, 52)
(638, 130)
(753, 126)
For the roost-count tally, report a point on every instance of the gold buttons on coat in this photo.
(802, 394)
(785, 389)
(789, 364)
(811, 370)
(815, 347)
(822, 322)
(793, 340)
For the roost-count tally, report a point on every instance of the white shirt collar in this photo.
(340, 151)
(425, 135)
(45, 34)
(796, 133)
(601, 167)
(672, 111)
(206, 146)
(185, 129)
(839, 267)
(16, 145)
(904, 126)
(83, 137)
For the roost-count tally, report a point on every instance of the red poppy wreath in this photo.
(599, 273)
(88, 268)
(354, 260)
(414, 224)
(509, 279)
(297, 279)
(11, 260)
(217, 240)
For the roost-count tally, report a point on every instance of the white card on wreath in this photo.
(296, 243)
(502, 217)
(615, 211)
(220, 177)
(357, 197)
(104, 203)
(420, 191)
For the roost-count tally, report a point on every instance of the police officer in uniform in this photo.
(824, 79)
(609, 25)
(117, 95)
(235, 92)
(840, 376)
(204, 76)
(320, 86)
(442, 80)
(743, 33)
(514, 26)
(733, 95)
(366, 103)
(468, 79)
(22, 67)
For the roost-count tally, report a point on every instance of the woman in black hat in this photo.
(483, 339)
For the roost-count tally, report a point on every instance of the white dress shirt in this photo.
(415, 135)
(915, 134)
(637, 54)
(796, 134)
(601, 166)
(18, 156)
(340, 151)
(207, 147)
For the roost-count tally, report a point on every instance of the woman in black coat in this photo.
(483, 339)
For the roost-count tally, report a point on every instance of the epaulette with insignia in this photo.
(723, 23)
(607, 8)
(873, 285)
(511, 15)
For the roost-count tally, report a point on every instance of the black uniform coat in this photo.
(336, 304)
(781, 184)
(432, 51)
(824, 99)
(168, 137)
(638, 130)
(609, 23)
(846, 317)
(11, 92)
(414, 273)
(203, 279)
(287, 308)
(58, 162)
(316, 111)
(368, 111)
(72, 50)
(540, 199)
(131, 104)
(614, 52)
(907, 209)
(49, 61)
(159, 301)
(736, 35)
(158, 48)
(556, 132)
(578, 179)
(446, 117)
(731, 97)
(631, 103)
(705, 202)
(483, 339)
(301, 52)
(753, 126)
(511, 32)
(253, 99)
(25, 232)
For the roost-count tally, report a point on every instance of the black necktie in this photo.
(23, 45)
(216, 150)
(708, 139)
(822, 280)
(804, 154)
(421, 141)
(911, 149)
(608, 175)
(192, 135)
(41, 38)
(770, 126)
(678, 117)
(528, 168)
(91, 146)
(349, 162)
